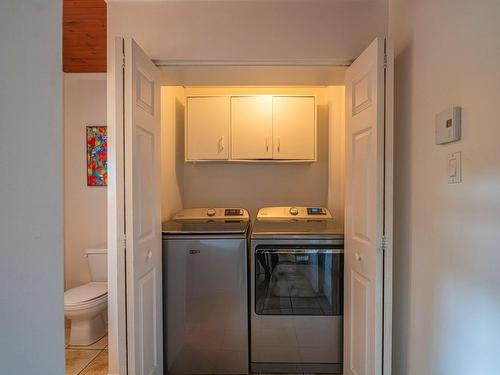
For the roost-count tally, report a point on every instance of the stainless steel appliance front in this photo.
(296, 299)
(205, 299)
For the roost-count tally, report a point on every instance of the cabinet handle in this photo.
(267, 144)
(279, 144)
(221, 144)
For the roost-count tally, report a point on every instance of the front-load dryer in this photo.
(296, 291)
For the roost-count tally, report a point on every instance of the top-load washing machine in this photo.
(296, 287)
(205, 291)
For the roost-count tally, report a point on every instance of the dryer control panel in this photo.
(212, 213)
(300, 213)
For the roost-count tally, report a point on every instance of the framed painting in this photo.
(97, 156)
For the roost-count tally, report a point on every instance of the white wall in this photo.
(31, 188)
(84, 206)
(248, 29)
(447, 252)
(336, 152)
(172, 150)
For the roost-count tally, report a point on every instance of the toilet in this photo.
(86, 305)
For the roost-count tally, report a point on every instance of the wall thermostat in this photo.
(448, 125)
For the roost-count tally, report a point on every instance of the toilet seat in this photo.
(87, 295)
(103, 300)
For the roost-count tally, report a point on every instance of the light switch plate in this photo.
(455, 168)
(448, 125)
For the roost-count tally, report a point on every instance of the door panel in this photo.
(294, 127)
(251, 127)
(207, 128)
(364, 215)
(358, 359)
(142, 212)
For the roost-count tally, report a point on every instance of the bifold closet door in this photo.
(142, 212)
(368, 212)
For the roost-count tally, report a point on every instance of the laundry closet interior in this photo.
(220, 164)
(253, 145)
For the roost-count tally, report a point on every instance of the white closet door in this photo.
(365, 226)
(142, 212)
(294, 127)
(251, 127)
(207, 128)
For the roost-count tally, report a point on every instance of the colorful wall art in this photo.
(97, 156)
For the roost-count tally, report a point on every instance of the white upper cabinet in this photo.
(294, 127)
(207, 128)
(251, 127)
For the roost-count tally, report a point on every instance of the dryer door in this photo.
(299, 280)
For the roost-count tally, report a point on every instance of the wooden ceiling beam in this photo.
(84, 36)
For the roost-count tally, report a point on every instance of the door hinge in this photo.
(124, 241)
(385, 61)
(123, 61)
(383, 244)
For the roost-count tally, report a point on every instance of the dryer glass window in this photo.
(299, 280)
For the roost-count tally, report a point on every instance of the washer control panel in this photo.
(212, 213)
(287, 213)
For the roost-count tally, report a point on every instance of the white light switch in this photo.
(455, 168)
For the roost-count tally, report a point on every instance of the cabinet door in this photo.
(251, 127)
(294, 127)
(207, 128)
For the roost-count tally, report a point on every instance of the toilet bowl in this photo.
(86, 305)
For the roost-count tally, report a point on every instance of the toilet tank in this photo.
(98, 264)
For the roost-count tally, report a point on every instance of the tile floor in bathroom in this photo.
(86, 360)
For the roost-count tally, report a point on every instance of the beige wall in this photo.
(250, 185)
(447, 248)
(248, 29)
(85, 206)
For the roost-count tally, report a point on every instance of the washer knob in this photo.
(211, 212)
(294, 211)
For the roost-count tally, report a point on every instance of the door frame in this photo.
(388, 206)
(117, 307)
(117, 301)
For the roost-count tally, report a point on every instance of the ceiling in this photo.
(84, 36)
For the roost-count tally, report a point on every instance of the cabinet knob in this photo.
(357, 256)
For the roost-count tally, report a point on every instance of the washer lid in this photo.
(85, 293)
